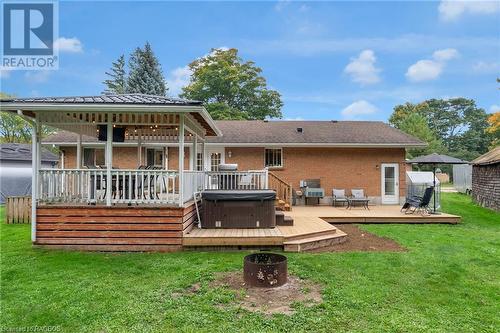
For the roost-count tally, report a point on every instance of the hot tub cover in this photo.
(238, 195)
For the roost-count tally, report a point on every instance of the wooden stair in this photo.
(313, 240)
(283, 192)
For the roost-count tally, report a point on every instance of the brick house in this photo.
(341, 154)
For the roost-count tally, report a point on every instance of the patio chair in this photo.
(418, 203)
(358, 197)
(358, 194)
(339, 196)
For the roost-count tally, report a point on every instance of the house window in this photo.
(273, 157)
(154, 157)
(199, 161)
(93, 157)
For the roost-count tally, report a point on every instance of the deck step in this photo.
(307, 235)
(280, 217)
(287, 221)
(314, 242)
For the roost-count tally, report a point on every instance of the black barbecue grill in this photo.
(311, 190)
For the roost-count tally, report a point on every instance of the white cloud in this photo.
(281, 4)
(37, 76)
(427, 69)
(69, 45)
(486, 67)
(453, 10)
(358, 108)
(445, 54)
(494, 108)
(177, 79)
(293, 118)
(362, 69)
(424, 70)
(4, 74)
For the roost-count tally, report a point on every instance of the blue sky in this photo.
(329, 60)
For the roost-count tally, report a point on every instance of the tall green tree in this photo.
(416, 125)
(457, 122)
(117, 82)
(232, 88)
(14, 128)
(145, 74)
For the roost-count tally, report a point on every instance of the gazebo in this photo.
(88, 195)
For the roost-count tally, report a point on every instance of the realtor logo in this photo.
(29, 30)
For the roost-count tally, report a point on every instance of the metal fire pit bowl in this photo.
(266, 270)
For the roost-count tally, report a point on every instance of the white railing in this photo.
(194, 181)
(139, 186)
(91, 186)
(236, 180)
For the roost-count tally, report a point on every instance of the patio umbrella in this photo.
(435, 159)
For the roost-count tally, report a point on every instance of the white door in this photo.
(214, 157)
(390, 183)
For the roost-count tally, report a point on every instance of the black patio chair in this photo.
(418, 203)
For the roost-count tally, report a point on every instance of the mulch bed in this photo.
(360, 240)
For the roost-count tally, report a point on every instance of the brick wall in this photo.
(486, 185)
(336, 167)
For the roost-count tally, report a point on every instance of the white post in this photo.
(109, 158)
(204, 153)
(194, 151)
(266, 180)
(34, 177)
(181, 160)
(79, 151)
(139, 150)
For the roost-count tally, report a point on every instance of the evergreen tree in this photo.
(145, 76)
(116, 84)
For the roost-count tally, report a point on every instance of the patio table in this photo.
(352, 202)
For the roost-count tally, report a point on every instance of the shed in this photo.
(16, 171)
(462, 178)
(418, 181)
(486, 179)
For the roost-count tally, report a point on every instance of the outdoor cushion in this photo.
(358, 194)
(339, 194)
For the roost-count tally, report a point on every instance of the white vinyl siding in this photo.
(273, 158)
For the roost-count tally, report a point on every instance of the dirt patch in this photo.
(360, 240)
(270, 300)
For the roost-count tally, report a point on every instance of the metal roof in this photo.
(435, 158)
(137, 99)
(22, 152)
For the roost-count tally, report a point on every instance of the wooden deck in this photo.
(376, 214)
(306, 232)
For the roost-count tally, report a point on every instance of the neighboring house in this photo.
(16, 171)
(342, 154)
(486, 179)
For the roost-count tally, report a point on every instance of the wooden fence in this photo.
(18, 210)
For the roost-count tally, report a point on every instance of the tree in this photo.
(145, 75)
(231, 88)
(457, 122)
(416, 125)
(14, 128)
(118, 77)
(494, 129)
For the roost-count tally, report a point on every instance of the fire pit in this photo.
(265, 270)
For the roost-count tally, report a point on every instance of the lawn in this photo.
(447, 281)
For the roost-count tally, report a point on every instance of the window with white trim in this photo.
(273, 158)
(155, 157)
(93, 157)
(199, 161)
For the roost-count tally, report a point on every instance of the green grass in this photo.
(448, 281)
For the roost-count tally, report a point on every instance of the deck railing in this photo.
(90, 186)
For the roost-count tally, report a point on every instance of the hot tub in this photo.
(238, 209)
